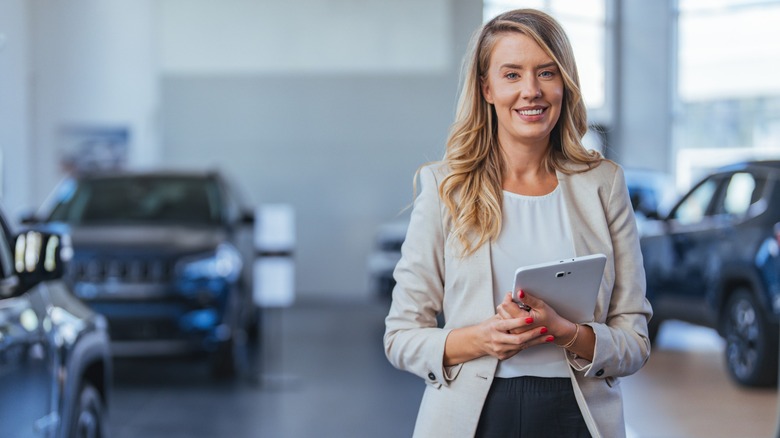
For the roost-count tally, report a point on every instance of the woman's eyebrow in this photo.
(520, 66)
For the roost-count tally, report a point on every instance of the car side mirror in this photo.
(40, 256)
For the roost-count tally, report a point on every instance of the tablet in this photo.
(569, 286)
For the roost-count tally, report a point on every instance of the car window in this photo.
(131, 199)
(742, 191)
(694, 207)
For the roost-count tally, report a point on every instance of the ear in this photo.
(483, 82)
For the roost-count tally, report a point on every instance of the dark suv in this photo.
(55, 365)
(715, 261)
(167, 257)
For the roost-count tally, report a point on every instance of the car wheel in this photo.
(231, 356)
(223, 360)
(751, 341)
(88, 415)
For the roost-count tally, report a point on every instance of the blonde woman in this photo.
(516, 187)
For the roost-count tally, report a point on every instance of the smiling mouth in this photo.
(531, 112)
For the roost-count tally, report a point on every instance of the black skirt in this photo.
(531, 407)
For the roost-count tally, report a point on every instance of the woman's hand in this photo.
(542, 317)
(499, 337)
(503, 338)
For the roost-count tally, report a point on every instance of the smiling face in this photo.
(525, 87)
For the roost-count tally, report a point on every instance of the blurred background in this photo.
(317, 113)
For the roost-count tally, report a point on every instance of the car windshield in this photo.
(127, 200)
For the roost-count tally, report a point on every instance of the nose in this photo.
(530, 88)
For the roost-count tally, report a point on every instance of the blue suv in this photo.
(166, 257)
(714, 260)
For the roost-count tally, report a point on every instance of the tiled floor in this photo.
(324, 374)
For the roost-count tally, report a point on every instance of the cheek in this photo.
(555, 95)
(503, 94)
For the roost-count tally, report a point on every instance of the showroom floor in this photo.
(323, 374)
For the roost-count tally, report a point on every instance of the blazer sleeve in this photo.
(412, 341)
(622, 342)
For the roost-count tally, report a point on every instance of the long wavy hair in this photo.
(472, 190)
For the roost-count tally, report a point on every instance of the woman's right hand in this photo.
(497, 337)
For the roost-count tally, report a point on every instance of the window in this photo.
(727, 94)
(739, 194)
(590, 28)
(694, 208)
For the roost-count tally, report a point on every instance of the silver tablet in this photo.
(569, 286)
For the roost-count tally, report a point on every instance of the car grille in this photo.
(125, 271)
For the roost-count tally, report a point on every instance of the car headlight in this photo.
(225, 263)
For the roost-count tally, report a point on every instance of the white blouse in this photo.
(535, 229)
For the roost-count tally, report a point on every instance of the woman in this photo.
(516, 187)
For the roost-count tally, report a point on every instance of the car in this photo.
(714, 260)
(167, 257)
(55, 363)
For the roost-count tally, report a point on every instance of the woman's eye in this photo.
(546, 74)
(512, 75)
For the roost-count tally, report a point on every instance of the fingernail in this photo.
(529, 320)
(549, 339)
(521, 294)
(543, 330)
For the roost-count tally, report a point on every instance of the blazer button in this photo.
(432, 376)
(599, 373)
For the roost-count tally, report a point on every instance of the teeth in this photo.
(534, 112)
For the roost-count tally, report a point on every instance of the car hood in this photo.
(174, 238)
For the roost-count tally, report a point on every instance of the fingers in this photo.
(530, 300)
(527, 329)
(507, 335)
(506, 345)
(508, 309)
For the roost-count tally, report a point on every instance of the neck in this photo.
(525, 172)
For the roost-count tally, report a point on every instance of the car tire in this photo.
(88, 419)
(231, 356)
(751, 341)
(223, 361)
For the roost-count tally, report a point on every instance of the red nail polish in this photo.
(521, 293)
(549, 339)
(529, 320)
(543, 330)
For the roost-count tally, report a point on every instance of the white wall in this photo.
(336, 36)
(15, 163)
(95, 66)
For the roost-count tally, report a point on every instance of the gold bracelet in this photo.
(574, 338)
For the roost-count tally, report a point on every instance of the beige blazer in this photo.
(433, 277)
